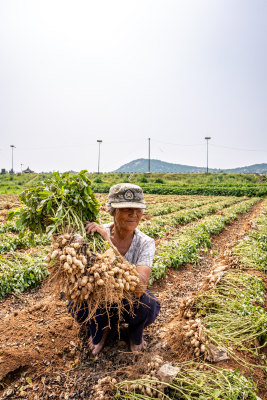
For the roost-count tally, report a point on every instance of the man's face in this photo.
(128, 218)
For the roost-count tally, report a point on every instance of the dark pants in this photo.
(144, 312)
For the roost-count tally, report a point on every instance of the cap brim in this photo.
(128, 204)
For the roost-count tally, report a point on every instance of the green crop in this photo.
(156, 227)
(19, 272)
(9, 242)
(184, 246)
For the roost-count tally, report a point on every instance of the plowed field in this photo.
(199, 277)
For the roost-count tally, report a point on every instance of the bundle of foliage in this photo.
(61, 203)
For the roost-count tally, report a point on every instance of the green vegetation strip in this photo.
(157, 227)
(232, 184)
(252, 251)
(10, 242)
(19, 272)
(249, 191)
(213, 383)
(184, 246)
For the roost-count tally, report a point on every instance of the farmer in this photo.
(126, 205)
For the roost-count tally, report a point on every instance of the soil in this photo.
(44, 354)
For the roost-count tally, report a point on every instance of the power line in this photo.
(213, 145)
(236, 148)
(178, 144)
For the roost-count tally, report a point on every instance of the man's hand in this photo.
(92, 227)
(144, 275)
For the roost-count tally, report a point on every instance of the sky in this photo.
(121, 71)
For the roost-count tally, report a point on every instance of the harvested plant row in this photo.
(252, 250)
(193, 381)
(233, 314)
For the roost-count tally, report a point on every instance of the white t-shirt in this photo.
(141, 250)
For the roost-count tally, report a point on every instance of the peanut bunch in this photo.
(85, 275)
(104, 388)
(148, 384)
(194, 336)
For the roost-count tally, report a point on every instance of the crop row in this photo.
(184, 246)
(258, 191)
(8, 227)
(176, 205)
(252, 250)
(10, 242)
(19, 271)
(157, 227)
(167, 207)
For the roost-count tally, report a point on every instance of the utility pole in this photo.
(21, 167)
(149, 155)
(12, 147)
(207, 138)
(99, 141)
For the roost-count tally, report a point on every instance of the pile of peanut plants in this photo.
(207, 383)
(233, 313)
(252, 250)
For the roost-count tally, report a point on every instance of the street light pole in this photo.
(149, 155)
(12, 147)
(207, 138)
(99, 141)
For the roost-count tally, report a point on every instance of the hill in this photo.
(141, 165)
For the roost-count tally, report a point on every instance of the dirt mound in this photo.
(36, 336)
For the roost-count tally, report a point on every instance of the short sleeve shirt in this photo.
(141, 250)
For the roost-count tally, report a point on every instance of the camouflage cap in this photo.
(126, 195)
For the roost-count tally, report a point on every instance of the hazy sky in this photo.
(72, 72)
